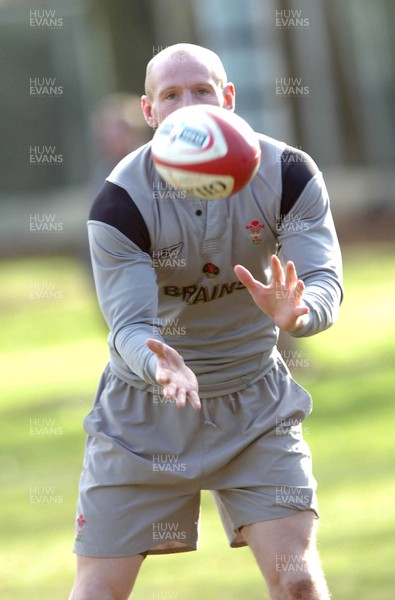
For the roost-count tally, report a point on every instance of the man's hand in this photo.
(282, 299)
(178, 381)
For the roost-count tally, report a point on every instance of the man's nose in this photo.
(187, 98)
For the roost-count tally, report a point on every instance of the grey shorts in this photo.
(146, 463)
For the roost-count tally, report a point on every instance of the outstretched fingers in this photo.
(194, 400)
(178, 394)
(182, 395)
(277, 271)
(299, 289)
(247, 279)
(294, 285)
(178, 381)
(290, 275)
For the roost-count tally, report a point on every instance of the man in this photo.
(118, 128)
(186, 314)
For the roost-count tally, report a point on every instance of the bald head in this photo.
(184, 75)
(178, 53)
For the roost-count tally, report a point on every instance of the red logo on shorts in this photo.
(80, 523)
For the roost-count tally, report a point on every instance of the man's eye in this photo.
(171, 96)
(202, 92)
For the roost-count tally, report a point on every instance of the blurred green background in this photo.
(62, 61)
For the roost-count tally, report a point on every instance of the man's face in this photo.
(179, 81)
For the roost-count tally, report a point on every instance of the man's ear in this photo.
(146, 106)
(229, 94)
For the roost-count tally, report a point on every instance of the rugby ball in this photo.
(206, 151)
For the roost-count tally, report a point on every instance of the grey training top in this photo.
(163, 266)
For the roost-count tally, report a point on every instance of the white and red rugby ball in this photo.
(206, 151)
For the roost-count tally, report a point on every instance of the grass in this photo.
(52, 353)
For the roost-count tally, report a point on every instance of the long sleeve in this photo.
(127, 292)
(307, 236)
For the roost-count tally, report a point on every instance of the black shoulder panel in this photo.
(115, 207)
(297, 168)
